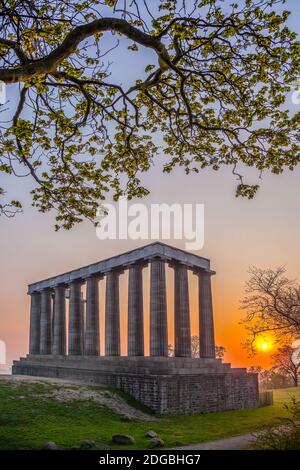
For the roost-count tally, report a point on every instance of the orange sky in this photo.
(238, 233)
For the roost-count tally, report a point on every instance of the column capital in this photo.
(96, 276)
(136, 264)
(47, 289)
(62, 285)
(203, 272)
(117, 271)
(75, 281)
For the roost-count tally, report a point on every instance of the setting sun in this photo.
(264, 344)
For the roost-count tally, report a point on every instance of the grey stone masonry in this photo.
(135, 311)
(92, 341)
(169, 385)
(206, 320)
(59, 326)
(158, 309)
(122, 261)
(112, 314)
(46, 319)
(75, 320)
(35, 323)
(181, 312)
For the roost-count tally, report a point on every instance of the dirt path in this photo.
(232, 443)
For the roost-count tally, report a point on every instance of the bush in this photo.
(286, 436)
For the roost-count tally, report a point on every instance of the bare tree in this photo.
(170, 350)
(213, 91)
(284, 364)
(220, 352)
(272, 303)
(195, 346)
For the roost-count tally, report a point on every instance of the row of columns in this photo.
(48, 339)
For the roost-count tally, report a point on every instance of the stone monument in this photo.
(168, 385)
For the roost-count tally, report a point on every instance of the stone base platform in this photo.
(169, 386)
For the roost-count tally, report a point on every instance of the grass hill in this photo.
(34, 411)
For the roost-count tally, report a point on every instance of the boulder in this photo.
(87, 444)
(49, 446)
(151, 434)
(156, 442)
(123, 439)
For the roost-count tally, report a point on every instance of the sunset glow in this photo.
(264, 344)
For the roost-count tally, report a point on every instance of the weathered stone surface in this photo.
(49, 446)
(135, 311)
(177, 385)
(91, 339)
(158, 309)
(112, 315)
(45, 336)
(182, 346)
(35, 323)
(123, 439)
(87, 444)
(190, 386)
(59, 330)
(121, 261)
(156, 442)
(151, 434)
(206, 321)
(75, 320)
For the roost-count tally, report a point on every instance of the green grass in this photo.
(28, 421)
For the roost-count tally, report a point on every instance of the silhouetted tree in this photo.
(272, 303)
(284, 363)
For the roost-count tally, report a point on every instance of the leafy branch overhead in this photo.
(212, 94)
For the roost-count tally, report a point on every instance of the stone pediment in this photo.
(143, 254)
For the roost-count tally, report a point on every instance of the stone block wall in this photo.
(174, 394)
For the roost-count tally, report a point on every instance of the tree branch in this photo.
(50, 62)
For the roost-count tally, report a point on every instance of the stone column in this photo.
(59, 327)
(112, 314)
(35, 323)
(91, 338)
(206, 321)
(158, 309)
(46, 327)
(83, 302)
(135, 311)
(75, 320)
(182, 333)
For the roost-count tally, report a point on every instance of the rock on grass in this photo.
(123, 439)
(87, 444)
(49, 446)
(151, 434)
(156, 442)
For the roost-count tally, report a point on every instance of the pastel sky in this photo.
(238, 233)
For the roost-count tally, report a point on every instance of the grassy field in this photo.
(27, 421)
